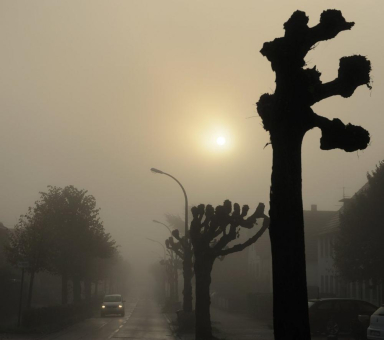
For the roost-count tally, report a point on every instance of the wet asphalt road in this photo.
(143, 320)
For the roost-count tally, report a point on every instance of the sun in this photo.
(220, 141)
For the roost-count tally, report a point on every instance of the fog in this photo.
(95, 93)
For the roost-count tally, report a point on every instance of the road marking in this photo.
(126, 320)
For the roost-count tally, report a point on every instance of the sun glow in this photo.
(220, 140)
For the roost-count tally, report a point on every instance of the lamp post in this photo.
(169, 229)
(173, 263)
(165, 280)
(187, 263)
(165, 255)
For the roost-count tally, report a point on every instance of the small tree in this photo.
(287, 115)
(358, 248)
(211, 231)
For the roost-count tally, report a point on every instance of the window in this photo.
(112, 298)
(331, 247)
(321, 247)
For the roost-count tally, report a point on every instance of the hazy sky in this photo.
(95, 93)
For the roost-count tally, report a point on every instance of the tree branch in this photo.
(174, 247)
(336, 135)
(253, 239)
(331, 24)
(353, 72)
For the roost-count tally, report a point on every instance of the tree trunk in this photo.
(187, 273)
(87, 289)
(171, 287)
(96, 289)
(30, 290)
(64, 288)
(176, 278)
(203, 269)
(382, 293)
(76, 289)
(290, 300)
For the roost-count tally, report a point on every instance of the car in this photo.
(112, 304)
(332, 316)
(375, 329)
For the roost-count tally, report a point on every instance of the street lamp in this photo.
(157, 171)
(149, 239)
(169, 229)
(187, 263)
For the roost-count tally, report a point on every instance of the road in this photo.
(143, 320)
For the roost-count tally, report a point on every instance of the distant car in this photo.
(375, 330)
(337, 315)
(112, 304)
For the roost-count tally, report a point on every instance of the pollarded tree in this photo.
(287, 115)
(358, 247)
(178, 249)
(177, 255)
(211, 232)
(172, 265)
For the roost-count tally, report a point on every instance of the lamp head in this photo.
(156, 171)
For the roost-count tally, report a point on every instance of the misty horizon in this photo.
(95, 94)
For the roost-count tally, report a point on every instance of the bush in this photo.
(55, 317)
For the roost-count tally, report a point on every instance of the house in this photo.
(242, 277)
(260, 261)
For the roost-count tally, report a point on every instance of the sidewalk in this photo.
(229, 326)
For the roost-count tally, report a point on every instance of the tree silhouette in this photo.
(211, 231)
(177, 251)
(30, 241)
(287, 115)
(172, 265)
(77, 236)
(358, 246)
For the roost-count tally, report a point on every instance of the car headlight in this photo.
(102, 306)
(120, 306)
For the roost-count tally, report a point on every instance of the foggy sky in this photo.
(95, 93)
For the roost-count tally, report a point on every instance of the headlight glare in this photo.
(102, 306)
(120, 306)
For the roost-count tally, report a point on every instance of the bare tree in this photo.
(287, 115)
